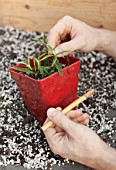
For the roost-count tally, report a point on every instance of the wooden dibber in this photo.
(68, 108)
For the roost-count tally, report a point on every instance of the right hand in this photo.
(72, 140)
(77, 116)
(82, 36)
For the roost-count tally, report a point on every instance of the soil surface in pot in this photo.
(21, 141)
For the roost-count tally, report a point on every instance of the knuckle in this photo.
(51, 31)
(67, 17)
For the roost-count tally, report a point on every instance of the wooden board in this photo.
(41, 15)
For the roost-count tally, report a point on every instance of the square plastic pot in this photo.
(52, 91)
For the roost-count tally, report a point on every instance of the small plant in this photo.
(43, 65)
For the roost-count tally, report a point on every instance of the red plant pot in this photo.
(52, 91)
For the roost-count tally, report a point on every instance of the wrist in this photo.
(94, 156)
(106, 159)
(103, 42)
(102, 158)
(106, 41)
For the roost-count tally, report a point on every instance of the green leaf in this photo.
(52, 70)
(41, 71)
(50, 48)
(54, 61)
(62, 52)
(46, 67)
(46, 71)
(34, 62)
(40, 56)
(44, 37)
(25, 70)
(27, 62)
(40, 42)
(37, 63)
(58, 67)
(47, 56)
(35, 39)
(45, 62)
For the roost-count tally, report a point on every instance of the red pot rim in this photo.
(52, 75)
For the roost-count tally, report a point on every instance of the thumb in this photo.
(74, 44)
(61, 120)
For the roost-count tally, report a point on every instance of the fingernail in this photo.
(52, 112)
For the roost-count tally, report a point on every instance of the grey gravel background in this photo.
(19, 131)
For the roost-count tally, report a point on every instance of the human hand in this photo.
(77, 142)
(77, 116)
(74, 34)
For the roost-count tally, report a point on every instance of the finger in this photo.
(59, 32)
(74, 44)
(82, 117)
(54, 35)
(61, 120)
(58, 128)
(85, 122)
(49, 134)
(74, 113)
(47, 120)
(80, 122)
(59, 108)
(78, 116)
